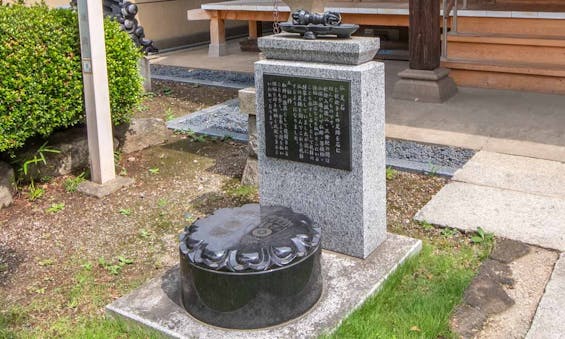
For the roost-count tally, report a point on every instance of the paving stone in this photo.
(550, 315)
(488, 296)
(507, 250)
(497, 271)
(529, 218)
(536, 176)
(467, 321)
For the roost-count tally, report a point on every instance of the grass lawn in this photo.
(417, 300)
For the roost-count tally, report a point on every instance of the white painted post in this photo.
(96, 92)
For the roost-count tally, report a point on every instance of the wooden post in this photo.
(217, 46)
(425, 35)
(96, 92)
(253, 29)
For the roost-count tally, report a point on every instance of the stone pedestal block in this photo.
(349, 203)
(425, 86)
(354, 51)
(145, 71)
(247, 101)
(247, 106)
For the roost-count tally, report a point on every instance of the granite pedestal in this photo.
(348, 203)
(425, 86)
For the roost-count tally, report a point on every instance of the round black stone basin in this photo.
(250, 267)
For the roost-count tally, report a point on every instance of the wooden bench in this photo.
(375, 13)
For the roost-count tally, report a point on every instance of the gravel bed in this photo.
(226, 120)
(440, 155)
(223, 120)
(202, 76)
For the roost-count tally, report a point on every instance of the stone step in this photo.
(523, 174)
(548, 321)
(530, 218)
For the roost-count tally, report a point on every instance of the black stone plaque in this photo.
(308, 120)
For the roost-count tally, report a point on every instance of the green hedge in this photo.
(40, 73)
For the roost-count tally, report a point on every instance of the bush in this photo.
(40, 73)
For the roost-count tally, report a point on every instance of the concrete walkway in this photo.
(517, 198)
(549, 321)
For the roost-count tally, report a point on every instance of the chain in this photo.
(276, 17)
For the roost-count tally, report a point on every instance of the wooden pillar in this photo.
(217, 36)
(96, 93)
(425, 34)
(253, 29)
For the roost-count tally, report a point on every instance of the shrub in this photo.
(40, 73)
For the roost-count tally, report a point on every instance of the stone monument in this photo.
(320, 119)
(321, 150)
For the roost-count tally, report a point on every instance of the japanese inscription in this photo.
(308, 120)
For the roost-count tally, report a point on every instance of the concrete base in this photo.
(348, 282)
(102, 190)
(217, 50)
(425, 86)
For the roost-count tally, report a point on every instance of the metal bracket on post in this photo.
(447, 7)
(445, 15)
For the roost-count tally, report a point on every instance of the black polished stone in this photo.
(308, 120)
(250, 267)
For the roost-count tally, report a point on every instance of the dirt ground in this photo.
(65, 263)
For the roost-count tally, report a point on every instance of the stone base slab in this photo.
(102, 190)
(348, 282)
(285, 46)
(217, 50)
(425, 86)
